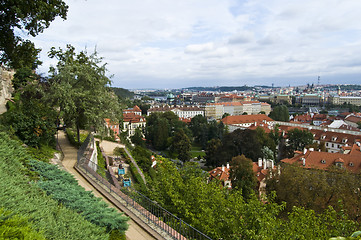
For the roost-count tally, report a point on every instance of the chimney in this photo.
(311, 149)
(272, 164)
(222, 168)
(304, 151)
(228, 165)
(303, 161)
(259, 162)
(264, 164)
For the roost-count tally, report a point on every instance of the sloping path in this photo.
(134, 232)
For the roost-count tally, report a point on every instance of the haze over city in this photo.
(173, 44)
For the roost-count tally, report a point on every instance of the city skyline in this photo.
(169, 44)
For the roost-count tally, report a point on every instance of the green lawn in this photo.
(197, 151)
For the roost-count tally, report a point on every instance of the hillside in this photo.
(20, 195)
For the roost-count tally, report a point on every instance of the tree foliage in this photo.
(30, 117)
(242, 175)
(181, 145)
(204, 131)
(280, 113)
(31, 17)
(318, 189)
(80, 88)
(298, 139)
(247, 142)
(161, 127)
(220, 213)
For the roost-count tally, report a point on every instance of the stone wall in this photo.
(6, 88)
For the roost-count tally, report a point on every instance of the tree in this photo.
(359, 124)
(242, 175)
(181, 145)
(80, 88)
(225, 115)
(280, 113)
(31, 17)
(30, 117)
(298, 139)
(22, 77)
(161, 127)
(212, 151)
(317, 189)
(137, 138)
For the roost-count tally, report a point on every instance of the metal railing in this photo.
(155, 215)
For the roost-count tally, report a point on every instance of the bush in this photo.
(19, 196)
(62, 187)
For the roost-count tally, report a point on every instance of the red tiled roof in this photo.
(110, 122)
(324, 160)
(246, 119)
(353, 119)
(219, 174)
(335, 137)
(136, 109)
(132, 117)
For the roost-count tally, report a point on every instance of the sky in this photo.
(175, 44)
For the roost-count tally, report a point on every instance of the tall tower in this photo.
(318, 80)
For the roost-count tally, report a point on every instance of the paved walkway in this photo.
(134, 232)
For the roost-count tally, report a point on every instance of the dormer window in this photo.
(334, 139)
(344, 140)
(323, 137)
(323, 161)
(351, 164)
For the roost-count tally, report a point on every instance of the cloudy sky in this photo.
(172, 44)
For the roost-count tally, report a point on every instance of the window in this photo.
(323, 161)
(333, 145)
(351, 164)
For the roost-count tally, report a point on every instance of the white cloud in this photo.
(168, 43)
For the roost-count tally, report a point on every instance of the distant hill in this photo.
(225, 88)
(122, 93)
(344, 87)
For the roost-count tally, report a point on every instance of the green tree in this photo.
(317, 189)
(298, 140)
(242, 175)
(31, 17)
(30, 117)
(280, 113)
(212, 150)
(359, 124)
(181, 145)
(137, 138)
(80, 88)
(199, 128)
(161, 127)
(22, 77)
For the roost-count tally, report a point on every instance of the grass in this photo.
(197, 151)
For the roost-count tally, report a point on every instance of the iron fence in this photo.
(154, 214)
